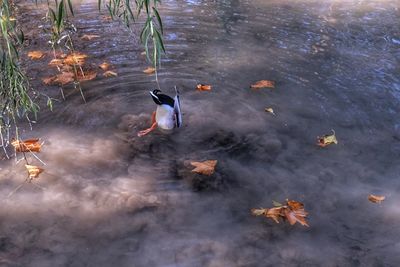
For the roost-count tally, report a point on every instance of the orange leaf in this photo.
(86, 75)
(30, 145)
(206, 167)
(75, 58)
(294, 205)
(263, 84)
(62, 79)
(33, 171)
(203, 87)
(149, 70)
(104, 66)
(56, 62)
(110, 73)
(35, 54)
(376, 199)
(89, 37)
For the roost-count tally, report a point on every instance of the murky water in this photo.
(112, 199)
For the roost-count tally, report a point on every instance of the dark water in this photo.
(112, 199)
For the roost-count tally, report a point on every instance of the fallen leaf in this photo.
(203, 87)
(149, 70)
(276, 204)
(89, 37)
(75, 58)
(110, 73)
(56, 62)
(263, 84)
(376, 199)
(30, 145)
(61, 79)
(106, 18)
(33, 171)
(86, 75)
(35, 54)
(143, 53)
(105, 66)
(270, 110)
(292, 211)
(206, 167)
(327, 140)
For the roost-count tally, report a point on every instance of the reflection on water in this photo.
(111, 198)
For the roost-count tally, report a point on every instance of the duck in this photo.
(168, 113)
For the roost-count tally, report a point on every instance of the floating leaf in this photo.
(263, 84)
(149, 70)
(327, 139)
(276, 204)
(75, 58)
(105, 66)
(89, 37)
(30, 145)
(203, 87)
(56, 62)
(206, 167)
(61, 79)
(110, 73)
(33, 171)
(86, 75)
(376, 199)
(270, 110)
(35, 54)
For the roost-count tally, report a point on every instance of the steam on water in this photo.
(112, 199)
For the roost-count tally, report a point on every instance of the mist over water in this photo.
(113, 199)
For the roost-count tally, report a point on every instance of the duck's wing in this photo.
(177, 109)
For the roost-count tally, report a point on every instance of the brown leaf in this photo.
(86, 75)
(30, 145)
(294, 205)
(56, 62)
(61, 79)
(35, 54)
(105, 66)
(203, 87)
(327, 140)
(258, 212)
(206, 167)
(376, 199)
(75, 58)
(263, 84)
(149, 70)
(106, 18)
(89, 37)
(110, 73)
(33, 171)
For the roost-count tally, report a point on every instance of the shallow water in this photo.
(112, 199)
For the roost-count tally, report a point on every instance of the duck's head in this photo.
(154, 95)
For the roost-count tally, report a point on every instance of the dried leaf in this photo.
(206, 167)
(89, 37)
(258, 212)
(110, 73)
(143, 53)
(86, 75)
(33, 171)
(327, 140)
(106, 18)
(75, 58)
(149, 70)
(30, 145)
(376, 199)
(56, 62)
(35, 54)
(276, 204)
(105, 66)
(203, 87)
(270, 110)
(61, 79)
(274, 213)
(263, 84)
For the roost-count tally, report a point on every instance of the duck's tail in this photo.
(177, 109)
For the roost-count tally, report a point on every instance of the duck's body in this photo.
(168, 113)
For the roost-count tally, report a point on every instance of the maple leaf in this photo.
(75, 58)
(89, 37)
(104, 66)
(149, 70)
(30, 145)
(33, 171)
(263, 84)
(35, 54)
(110, 73)
(203, 87)
(327, 140)
(376, 199)
(205, 167)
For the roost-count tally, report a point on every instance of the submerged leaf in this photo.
(149, 70)
(263, 84)
(33, 171)
(30, 145)
(376, 199)
(203, 87)
(75, 58)
(86, 75)
(110, 73)
(61, 79)
(89, 37)
(56, 62)
(327, 139)
(105, 66)
(35, 54)
(205, 167)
